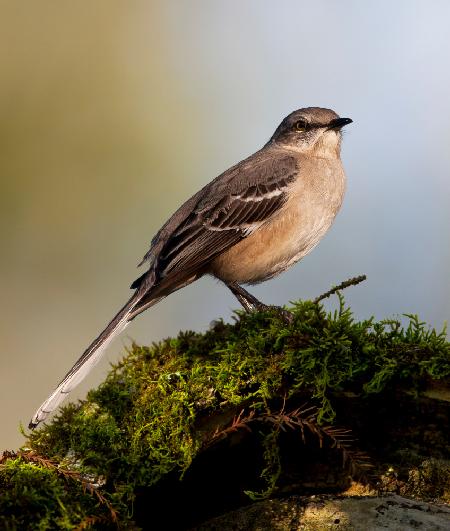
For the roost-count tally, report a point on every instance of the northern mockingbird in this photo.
(249, 224)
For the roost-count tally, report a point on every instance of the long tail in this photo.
(88, 359)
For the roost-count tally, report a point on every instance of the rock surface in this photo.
(317, 513)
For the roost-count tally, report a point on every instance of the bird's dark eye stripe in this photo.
(314, 125)
(303, 124)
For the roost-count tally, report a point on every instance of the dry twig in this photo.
(350, 282)
(302, 419)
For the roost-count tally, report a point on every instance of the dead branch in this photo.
(347, 283)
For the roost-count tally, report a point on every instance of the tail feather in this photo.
(86, 362)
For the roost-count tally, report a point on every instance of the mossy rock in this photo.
(338, 513)
(207, 422)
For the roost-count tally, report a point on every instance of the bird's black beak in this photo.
(337, 123)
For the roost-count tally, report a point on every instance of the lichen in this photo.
(144, 422)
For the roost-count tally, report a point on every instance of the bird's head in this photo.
(312, 130)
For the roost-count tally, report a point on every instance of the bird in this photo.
(248, 225)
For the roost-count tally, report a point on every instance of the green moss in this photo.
(271, 472)
(34, 496)
(143, 422)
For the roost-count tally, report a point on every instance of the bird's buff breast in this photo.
(293, 232)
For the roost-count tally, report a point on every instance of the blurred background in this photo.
(113, 113)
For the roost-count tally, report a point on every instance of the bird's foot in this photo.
(252, 304)
(287, 316)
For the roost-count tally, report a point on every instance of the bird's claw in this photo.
(286, 315)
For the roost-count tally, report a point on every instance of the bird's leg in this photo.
(248, 301)
(252, 304)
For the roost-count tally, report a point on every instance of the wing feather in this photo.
(227, 210)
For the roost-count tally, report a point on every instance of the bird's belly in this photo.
(284, 239)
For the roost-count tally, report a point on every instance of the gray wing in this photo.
(227, 210)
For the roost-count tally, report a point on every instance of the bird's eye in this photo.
(301, 126)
